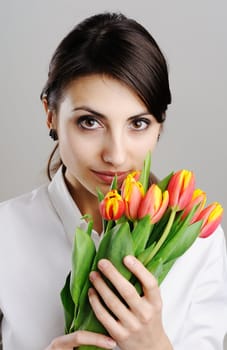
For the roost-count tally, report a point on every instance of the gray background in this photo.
(193, 37)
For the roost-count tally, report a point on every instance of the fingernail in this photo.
(102, 264)
(111, 343)
(92, 276)
(129, 260)
(90, 293)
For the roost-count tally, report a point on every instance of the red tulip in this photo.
(112, 206)
(211, 216)
(132, 193)
(154, 203)
(181, 187)
(198, 198)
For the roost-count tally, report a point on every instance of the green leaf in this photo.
(143, 256)
(159, 228)
(84, 309)
(145, 173)
(164, 182)
(156, 268)
(181, 224)
(89, 322)
(100, 195)
(68, 304)
(120, 245)
(82, 258)
(166, 267)
(113, 185)
(90, 227)
(162, 238)
(115, 245)
(160, 269)
(180, 242)
(141, 233)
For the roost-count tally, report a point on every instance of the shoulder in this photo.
(205, 257)
(24, 201)
(212, 245)
(206, 252)
(27, 222)
(24, 209)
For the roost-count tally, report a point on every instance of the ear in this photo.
(50, 115)
(160, 131)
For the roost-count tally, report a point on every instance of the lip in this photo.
(108, 176)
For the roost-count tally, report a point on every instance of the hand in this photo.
(73, 340)
(138, 326)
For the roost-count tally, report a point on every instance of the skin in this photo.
(103, 126)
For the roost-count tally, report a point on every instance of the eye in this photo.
(140, 124)
(88, 122)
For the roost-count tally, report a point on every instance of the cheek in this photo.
(68, 147)
(154, 137)
(153, 144)
(75, 149)
(147, 143)
(140, 149)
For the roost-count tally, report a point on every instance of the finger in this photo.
(147, 280)
(113, 327)
(111, 300)
(72, 340)
(123, 286)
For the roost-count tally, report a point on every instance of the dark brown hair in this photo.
(111, 44)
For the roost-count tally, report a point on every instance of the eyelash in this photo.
(141, 120)
(88, 119)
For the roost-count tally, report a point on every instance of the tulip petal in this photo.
(181, 187)
(112, 206)
(211, 216)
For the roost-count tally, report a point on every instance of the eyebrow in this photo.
(98, 114)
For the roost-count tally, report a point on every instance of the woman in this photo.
(105, 100)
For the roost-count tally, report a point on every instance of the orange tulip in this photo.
(198, 198)
(154, 203)
(112, 206)
(181, 187)
(211, 216)
(132, 193)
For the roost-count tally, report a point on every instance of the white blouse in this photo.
(36, 234)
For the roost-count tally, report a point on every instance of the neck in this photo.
(87, 204)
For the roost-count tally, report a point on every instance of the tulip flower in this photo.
(132, 193)
(211, 216)
(112, 206)
(198, 198)
(136, 174)
(154, 203)
(181, 187)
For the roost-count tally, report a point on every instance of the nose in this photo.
(114, 149)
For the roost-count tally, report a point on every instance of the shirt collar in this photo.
(66, 208)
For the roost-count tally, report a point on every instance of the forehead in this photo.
(104, 94)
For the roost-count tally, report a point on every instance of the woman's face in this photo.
(103, 129)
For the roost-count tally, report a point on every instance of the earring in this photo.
(53, 134)
(158, 137)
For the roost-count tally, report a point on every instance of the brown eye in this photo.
(140, 124)
(88, 123)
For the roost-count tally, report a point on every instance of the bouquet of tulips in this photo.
(156, 223)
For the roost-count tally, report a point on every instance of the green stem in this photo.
(163, 237)
(90, 227)
(109, 225)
